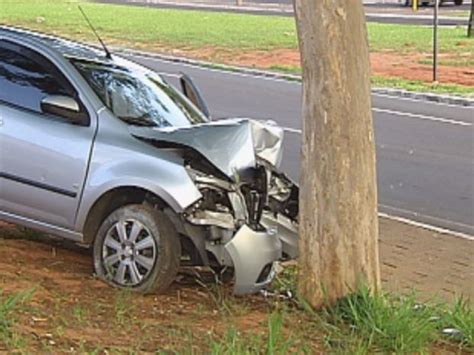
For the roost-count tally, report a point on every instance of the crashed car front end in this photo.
(247, 216)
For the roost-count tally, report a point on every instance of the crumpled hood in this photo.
(231, 145)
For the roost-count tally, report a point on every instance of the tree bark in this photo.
(338, 195)
(470, 26)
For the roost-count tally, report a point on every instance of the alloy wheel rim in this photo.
(129, 253)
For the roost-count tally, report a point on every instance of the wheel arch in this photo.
(113, 199)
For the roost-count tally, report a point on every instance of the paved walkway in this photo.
(432, 263)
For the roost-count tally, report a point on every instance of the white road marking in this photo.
(401, 114)
(427, 226)
(417, 214)
(422, 117)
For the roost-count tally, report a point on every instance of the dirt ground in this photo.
(407, 66)
(70, 310)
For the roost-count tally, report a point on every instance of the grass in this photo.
(170, 27)
(459, 61)
(408, 38)
(8, 304)
(421, 86)
(460, 317)
(273, 342)
(361, 323)
(366, 322)
(459, 14)
(221, 36)
(380, 323)
(195, 29)
(123, 307)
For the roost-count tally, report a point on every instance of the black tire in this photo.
(458, 2)
(166, 249)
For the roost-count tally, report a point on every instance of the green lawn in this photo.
(195, 29)
(165, 30)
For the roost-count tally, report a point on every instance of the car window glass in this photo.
(27, 77)
(140, 98)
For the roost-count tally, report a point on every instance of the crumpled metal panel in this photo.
(231, 145)
(268, 141)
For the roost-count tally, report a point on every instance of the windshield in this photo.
(139, 96)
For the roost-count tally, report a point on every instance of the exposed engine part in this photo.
(239, 208)
(211, 218)
(283, 196)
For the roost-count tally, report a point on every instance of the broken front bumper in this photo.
(253, 255)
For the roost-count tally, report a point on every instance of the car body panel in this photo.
(231, 145)
(44, 161)
(74, 166)
(119, 160)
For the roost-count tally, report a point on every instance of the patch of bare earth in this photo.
(409, 67)
(386, 64)
(71, 311)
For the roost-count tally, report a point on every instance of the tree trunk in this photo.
(338, 195)
(470, 26)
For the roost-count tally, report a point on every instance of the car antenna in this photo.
(107, 53)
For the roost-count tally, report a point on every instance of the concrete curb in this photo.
(424, 96)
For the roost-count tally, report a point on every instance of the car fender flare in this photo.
(178, 202)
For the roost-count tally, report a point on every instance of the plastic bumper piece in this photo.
(253, 254)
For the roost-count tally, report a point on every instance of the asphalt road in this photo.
(425, 151)
(381, 13)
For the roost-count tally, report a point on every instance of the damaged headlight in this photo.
(215, 207)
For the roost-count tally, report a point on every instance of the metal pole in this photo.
(415, 5)
(435, 42)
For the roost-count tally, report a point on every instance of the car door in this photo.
(43, 157)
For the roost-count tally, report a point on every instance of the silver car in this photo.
(102, 151)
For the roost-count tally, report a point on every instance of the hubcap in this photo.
(128, 253)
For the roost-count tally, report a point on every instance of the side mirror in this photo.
(63, 106)
(191, 91)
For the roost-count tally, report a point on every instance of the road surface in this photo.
(425, 151)
(382, 13)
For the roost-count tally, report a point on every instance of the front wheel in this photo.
(137, 248)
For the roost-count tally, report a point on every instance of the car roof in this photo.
(65, 47)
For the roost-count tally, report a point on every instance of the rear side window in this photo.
(26, 77)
